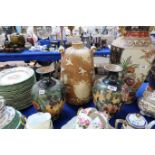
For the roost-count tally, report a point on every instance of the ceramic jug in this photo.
(134, 121)
(39, 121)
(48, 93)
(77, 73)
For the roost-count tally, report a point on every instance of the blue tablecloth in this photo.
(31, 55)
(41, 56)
(70, 111)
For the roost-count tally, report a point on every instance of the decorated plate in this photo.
(15, 75)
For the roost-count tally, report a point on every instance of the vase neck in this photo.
(77, 45)
(113, 77)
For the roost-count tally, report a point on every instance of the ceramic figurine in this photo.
(77, 73)
(134, 121)
(136, 58)
(147, 104)
(48, 94)
(107, 91)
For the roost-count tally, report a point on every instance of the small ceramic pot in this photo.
(39, 121)
(147, 104)
(134, 121)
(17, 39)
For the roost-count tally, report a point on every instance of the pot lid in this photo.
(45, 70)
(113, 68)
(136, 120)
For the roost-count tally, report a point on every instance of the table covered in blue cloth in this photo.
(50, 56)
(69, 111)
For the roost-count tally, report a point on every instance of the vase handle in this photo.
(118, 121)
(93, 49)
(150, 125)
(61, 49)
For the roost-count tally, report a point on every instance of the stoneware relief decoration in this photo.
(77, 73)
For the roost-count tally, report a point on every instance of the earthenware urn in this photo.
(77, 73)
(135, 52)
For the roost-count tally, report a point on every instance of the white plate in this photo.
(15, 75)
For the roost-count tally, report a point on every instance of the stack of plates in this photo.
(15, 86)
(11, 119)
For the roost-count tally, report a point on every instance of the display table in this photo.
(69, 111)
(41, 56)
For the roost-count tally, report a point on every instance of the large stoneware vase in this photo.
(77, 73)
(136, 58)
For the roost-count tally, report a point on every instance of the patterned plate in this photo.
(15, 75)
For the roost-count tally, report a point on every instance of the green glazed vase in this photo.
(107, 91)
(48, 96)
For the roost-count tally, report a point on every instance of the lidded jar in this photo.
(107, 90)
(48, 94)
(77, 73)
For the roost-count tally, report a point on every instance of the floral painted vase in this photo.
(77, 73)
(48, 95)
(107, 91)
(136, 58)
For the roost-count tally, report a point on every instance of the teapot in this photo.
(134, 121)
